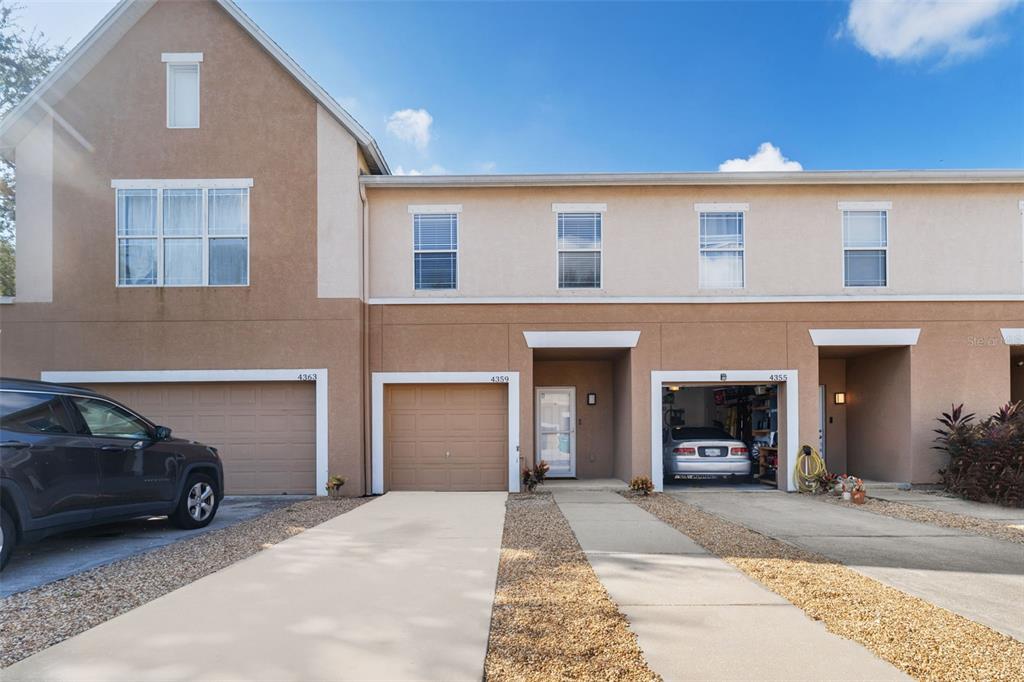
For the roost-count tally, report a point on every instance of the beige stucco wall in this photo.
(339, 212)
(34, 214)
(595, 432)
(650, 239)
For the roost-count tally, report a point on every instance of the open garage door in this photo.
(446, 437)
(265, 432)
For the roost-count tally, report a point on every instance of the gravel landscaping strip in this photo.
(552, 618)
(923, 640)
(910, 512)
(34, 620)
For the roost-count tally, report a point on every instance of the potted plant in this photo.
(858, 494)
(334, 484)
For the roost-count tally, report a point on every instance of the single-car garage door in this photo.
(446, 437)
(265, 432)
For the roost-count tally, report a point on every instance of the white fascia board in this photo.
(865, 205)
(579, 208)
(435, 208)
(595, 339)
(721, 208)
(1013, 336)
(865, 337)
(747, 299)
(181, 57)
(193, 183)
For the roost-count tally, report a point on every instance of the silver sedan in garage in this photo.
(702, 452)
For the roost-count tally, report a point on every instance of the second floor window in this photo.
(183, 236)
(579, 250)
(435, 250)
(182, 88)
(865, 248)
(721, 250)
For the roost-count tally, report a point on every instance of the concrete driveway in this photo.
(60, 556)
(397, 589)
(977, 577)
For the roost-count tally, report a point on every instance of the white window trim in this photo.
(885, 206)
(721, 208)
(169, 65)
(195, 183)
(319, 377)
(559, 250)
(787, 377)
(579, 208)
(1020, 205)
(427, 209)
(203, 185)
(181, 57)
(456, 251)
(865, 337)
(602, 339)
(1013, 336)
(381, 379)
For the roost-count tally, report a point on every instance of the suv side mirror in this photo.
(162, 433)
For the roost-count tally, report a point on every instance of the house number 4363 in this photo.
(307, 377)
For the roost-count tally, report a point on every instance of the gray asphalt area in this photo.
(60, 556)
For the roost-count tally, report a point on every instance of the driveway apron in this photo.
(397, 589)
(980, 578)
(695, 616)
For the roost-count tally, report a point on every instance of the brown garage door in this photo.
(265, 431)
(446, 437)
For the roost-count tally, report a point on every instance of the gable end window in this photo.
(182, 89)
(579, 250)
(865, 248)
(722, 246)
(435, 250)
(182, 236)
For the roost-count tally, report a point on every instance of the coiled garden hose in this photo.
(809, 468)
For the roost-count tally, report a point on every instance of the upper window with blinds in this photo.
(182, 236)
(182, 89)
(579, 250)
(865, 248)
(436, 250)
(721, 250)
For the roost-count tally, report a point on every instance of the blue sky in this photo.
(585, 86)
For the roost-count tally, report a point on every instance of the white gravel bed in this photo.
(36, 619)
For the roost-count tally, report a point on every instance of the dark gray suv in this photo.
(70, 457)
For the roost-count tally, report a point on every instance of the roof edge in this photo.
(859, 177)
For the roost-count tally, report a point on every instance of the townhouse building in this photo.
(206, 235)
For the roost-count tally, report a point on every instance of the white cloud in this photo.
(767, 158)
(412, 125)
(434, 169)
(912, 29)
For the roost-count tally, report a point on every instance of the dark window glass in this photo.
(110, 421)
(699, 433)
(33, 413)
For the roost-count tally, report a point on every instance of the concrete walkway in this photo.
(980, 578)
(398, 589)
(695, 616)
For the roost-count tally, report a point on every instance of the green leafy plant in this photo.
(334, 483)
(532, 477)
(986, 459)
(642, 485)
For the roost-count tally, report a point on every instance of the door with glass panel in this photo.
(556, 429)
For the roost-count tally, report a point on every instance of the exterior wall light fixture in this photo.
(591, 399)
(840, 398)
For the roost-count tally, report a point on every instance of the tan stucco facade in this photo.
(330, 289)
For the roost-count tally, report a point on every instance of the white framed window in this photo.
(175, 235)
(182, 88)
(435, 250)
(579, 250)
(866, 247)
(722, 250)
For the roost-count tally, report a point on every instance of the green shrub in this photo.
(986, 458)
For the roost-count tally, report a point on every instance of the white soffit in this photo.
(1013, 337)
(865, 337)
(615, 339)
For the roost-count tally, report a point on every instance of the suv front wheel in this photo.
(198, 503)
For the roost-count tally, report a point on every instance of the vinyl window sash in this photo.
(884, 248)
(559, 250)
(452, 252)
(161, 238)
(705, 250)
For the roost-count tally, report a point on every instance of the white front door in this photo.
(556, 430)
